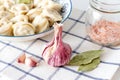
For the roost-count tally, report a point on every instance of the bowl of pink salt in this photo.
(103, 22)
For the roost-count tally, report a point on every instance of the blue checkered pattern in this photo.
(74, 33)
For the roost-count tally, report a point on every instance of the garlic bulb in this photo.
(57, 53)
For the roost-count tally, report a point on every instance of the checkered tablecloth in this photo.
(74, 33)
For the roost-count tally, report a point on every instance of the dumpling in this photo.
(51, 22)
(37, 2)
(2, 14)
(51, 13)
(2, 8)
(41, 3)
(33, 13)
(8, 3)
(20, 18)
(41, 24)
(5, 27)
(3, 21)
(1, 2)
(6, 14)
(23, 28)
(20, 9)
(48, 3)
(54, 5)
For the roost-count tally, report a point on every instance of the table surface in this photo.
(74, 33)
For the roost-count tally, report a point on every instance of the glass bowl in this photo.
(65, 12)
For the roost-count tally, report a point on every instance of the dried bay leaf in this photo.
(90, 66)
(85, 57)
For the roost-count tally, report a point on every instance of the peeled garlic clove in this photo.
(57, 53)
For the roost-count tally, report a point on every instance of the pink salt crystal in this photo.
(105, 32)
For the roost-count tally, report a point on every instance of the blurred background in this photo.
(83, 4)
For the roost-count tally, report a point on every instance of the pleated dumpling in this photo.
(6, 14)
(41, 3)
(20, 9)
(1, 2)
(4, 20)
(20, 18)
(51, 13)
(23, 28)
(8, 3)
(41, 24)
(54, 5)
(33, 13)
(48, 3)
(5, 27)
(2, 14)
(37, 3)
(2, 8)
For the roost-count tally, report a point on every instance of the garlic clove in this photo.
(21, 58)
(30, 62)
(27, 60)
(57, 53)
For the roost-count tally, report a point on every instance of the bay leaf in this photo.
(90, 66)
(85, 57)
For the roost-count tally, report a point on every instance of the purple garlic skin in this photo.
(57, 53)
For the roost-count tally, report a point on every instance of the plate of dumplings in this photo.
(23, 21)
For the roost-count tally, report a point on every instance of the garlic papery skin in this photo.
(57, 53)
